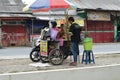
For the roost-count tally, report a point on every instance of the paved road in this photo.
(15, 52)
(23, 52)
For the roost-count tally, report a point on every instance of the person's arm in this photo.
(41, 34)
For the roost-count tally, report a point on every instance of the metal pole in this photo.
(66, 24)
(50, 25)
(32, 26)
(86, 23)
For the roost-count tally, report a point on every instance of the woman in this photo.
(53, 31)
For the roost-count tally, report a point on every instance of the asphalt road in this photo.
(23, 52)
(15, 52)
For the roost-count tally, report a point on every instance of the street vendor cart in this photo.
(51, 52)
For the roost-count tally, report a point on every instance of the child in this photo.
(53, 31)
(61, 35)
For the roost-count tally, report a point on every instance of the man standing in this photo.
(75, 31)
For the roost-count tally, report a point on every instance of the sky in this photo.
(27, 1)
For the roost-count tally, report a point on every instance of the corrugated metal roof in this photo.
(97, 4)
(11, 9)
(11, 6)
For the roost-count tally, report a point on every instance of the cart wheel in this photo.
(44, 59)
(34, 56)
(56, 56)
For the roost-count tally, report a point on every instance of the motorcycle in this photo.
(35, 53)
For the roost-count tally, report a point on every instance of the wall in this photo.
(101, 31)
(13, 34)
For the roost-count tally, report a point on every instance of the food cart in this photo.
(51, 52)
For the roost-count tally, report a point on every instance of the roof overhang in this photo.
(55, 17)
(15, 15)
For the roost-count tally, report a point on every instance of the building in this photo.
(101, 18)
(13, 29)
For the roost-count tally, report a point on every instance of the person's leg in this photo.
(77, 48)
(74, 50)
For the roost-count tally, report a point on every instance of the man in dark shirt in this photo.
(75, 31)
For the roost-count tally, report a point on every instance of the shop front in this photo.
(13, 32)
(100, 26)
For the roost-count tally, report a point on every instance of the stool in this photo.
(88, 56)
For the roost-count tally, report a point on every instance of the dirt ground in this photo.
(22, 65)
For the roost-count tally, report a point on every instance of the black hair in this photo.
(54, 24)
(71, 19)
(61, 25)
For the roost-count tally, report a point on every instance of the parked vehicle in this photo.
(35, 53)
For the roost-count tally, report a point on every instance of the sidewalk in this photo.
(23, 65)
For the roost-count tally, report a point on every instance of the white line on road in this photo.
(91, 67)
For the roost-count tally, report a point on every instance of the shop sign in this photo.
(98, 16)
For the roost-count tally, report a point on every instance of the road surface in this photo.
(23, 52)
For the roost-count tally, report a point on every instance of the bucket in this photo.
(87, 42)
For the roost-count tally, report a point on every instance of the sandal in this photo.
(73, 64)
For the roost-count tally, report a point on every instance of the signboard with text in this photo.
(98, 16)
(44, 48)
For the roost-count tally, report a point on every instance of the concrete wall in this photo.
(109, 72)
